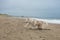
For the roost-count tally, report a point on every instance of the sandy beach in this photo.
(13, 29)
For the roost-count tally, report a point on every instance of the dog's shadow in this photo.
(39, 29)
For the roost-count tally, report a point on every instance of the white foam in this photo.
(53, 21)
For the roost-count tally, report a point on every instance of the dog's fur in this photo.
(35, 24)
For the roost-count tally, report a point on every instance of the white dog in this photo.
(35, 24)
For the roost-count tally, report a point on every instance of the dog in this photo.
(35, 24)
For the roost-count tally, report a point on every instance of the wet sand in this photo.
(13, 29)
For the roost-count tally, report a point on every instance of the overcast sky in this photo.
(44, 8)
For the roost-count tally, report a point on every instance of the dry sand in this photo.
(13, 29)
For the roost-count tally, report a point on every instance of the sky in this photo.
(38, 8)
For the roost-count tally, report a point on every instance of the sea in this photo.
(47, 19)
